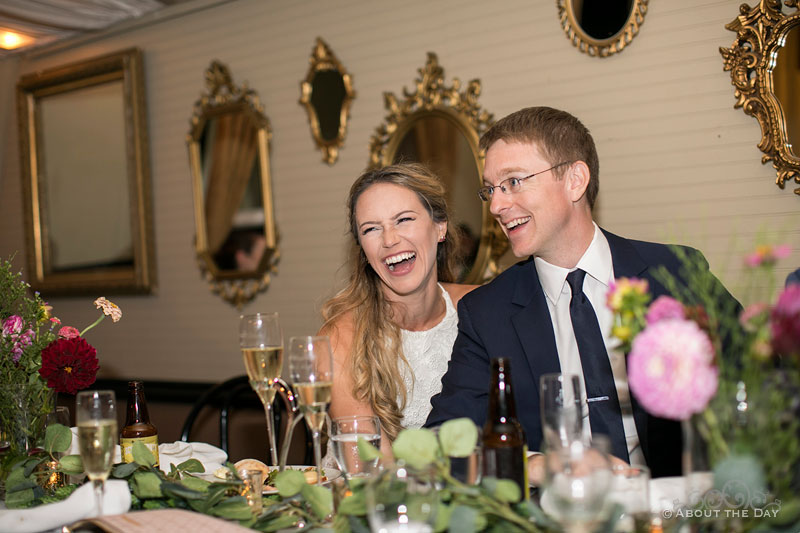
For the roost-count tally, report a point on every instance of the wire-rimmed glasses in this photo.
(512, 185)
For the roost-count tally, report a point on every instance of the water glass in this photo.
(345, 433)
(630, 489)
(561, 403)
(253, 485)
(399, 498)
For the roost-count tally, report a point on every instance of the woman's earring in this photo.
(441, 238)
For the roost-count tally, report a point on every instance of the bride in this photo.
(393, 326)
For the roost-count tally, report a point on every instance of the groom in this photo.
(548, 313)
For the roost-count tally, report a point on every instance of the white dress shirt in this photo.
(597, 264)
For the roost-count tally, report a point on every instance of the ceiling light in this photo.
(9, 40)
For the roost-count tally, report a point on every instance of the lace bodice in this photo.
(428, 353)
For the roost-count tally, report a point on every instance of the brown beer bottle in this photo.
(137, 424)
(504, 443)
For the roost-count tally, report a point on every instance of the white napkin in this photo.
(80, 505)
(173, 453)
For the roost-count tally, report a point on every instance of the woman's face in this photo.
(398, 236)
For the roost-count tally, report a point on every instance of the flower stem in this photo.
(93, 324)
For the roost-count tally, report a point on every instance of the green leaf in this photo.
(354, 504)
(147, 484)
(71, 464)
(176, 490)
(195, 483)
(19, 499)
(282, 521)
(142, 454)
(443, 513)
(320, 499)
(458, 437)
(290, 482)
(124, 470)
(234, 508)
(191, 465)
(31, 465)
(463, 519)
(57, 438)
(366, 451)
(417, 447)
(504, 490)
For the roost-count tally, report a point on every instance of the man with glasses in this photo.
(541, 182)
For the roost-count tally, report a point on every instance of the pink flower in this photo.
(664, 307)
(68, 332)
(11, 325)
(21, 341)
(766, 254)
(754, 316)
(785, 320)
(670, 369)
(626, 292)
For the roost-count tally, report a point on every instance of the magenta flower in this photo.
(785, 320)
(12, 325)
(68, 332)
(766, 254)
(664, 307)
(671, 370)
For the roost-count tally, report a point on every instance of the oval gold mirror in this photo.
(764, 62)
(601, 27)
(228, 143)
(326, 94)
(440, 126)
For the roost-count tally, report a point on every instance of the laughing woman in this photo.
(393, 326)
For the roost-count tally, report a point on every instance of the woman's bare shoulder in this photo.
(340, 332)
(457, 290)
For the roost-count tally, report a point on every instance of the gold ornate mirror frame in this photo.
(324, 60)
(600, 47)
(86, 177)
(224, 99)
(760, 33)
(431, 98)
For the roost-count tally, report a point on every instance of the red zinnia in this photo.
(69, 365)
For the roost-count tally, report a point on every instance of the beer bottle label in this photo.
(127, 447)
(526, 484)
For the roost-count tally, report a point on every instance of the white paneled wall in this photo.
(678, 163)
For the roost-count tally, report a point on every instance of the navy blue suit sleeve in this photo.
(465, 384)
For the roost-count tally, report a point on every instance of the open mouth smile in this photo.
(516, 222)
(400, 260)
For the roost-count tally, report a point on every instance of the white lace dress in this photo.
(427, 353)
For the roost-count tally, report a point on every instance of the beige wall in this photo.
(678, 162)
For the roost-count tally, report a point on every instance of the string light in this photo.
(9, 40)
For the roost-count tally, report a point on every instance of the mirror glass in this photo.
(601, 27)
(438, 141)
(786, 80)
(229, 154)
(602, 19)
(327, 97)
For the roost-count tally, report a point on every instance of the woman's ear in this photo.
(442, 228)
(577, 178)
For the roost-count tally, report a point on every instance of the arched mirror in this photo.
(601, 27)
(235, 240)
(440, 126)
(764, 62)
(326, 94)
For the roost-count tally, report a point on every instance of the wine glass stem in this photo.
(273, 451)
(318, 456)
(98, 486)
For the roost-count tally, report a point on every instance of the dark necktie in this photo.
(605, 415)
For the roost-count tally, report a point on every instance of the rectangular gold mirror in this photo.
(86, 177)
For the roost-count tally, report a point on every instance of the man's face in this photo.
(533, 219)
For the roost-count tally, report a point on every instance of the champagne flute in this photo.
(96, 417)
(261, 341)
(311, 372)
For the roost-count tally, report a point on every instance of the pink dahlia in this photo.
(670, 369)
(785, 321)
(69, 365)
(68, 332)
(664, 307)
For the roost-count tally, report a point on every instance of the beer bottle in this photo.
(137, 424)
(504, 443)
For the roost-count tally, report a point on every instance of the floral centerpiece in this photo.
(731, 376)
(38, 358)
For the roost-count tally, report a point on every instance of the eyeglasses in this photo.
(512, 185)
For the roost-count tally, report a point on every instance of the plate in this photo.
(330, 473)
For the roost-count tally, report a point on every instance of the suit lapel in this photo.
(533, 325)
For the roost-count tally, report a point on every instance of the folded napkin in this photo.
(173, 453)
(80, 505)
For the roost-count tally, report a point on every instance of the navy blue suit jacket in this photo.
(509, 318)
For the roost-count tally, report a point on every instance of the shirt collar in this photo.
(596, 261)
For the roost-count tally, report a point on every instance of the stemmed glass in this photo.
(561, 403)
(261, 341)
(96, 418)
(311, 372)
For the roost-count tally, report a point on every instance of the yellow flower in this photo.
(109, 308)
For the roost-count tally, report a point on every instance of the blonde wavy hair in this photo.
(377, 353)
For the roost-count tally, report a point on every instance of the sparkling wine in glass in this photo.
(96, 418)
(311, 372)
(261, 341)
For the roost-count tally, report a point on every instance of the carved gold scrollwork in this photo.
(760, 33)
(431, 103)
(600, 47)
